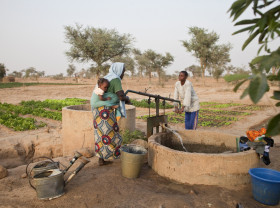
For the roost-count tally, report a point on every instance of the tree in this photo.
(2, 71)
(266, 27)
(157, 62)
(240, 70)
(41, 73)
(196, 70)
(217, 72)
(31, 71)
(128, 61)
(17, 74)
(230, 69)
(204, 47)
(219, 59)
(142, 62)
(96, 45)
(71, 70)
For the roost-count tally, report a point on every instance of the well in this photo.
(212, 158)
(77, 127)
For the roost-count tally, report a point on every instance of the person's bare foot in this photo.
(103, 162)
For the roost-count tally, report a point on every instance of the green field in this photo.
(214, 114)
(12, 115)
(21, 84)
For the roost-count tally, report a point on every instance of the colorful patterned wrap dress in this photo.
(106, 133)
(106, 130)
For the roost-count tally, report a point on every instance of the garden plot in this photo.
(13, 116)
(214, 114)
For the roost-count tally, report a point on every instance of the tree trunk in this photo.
(159, 76)
(98, 70)
(203, 68)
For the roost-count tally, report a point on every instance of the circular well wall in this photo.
(213, 168)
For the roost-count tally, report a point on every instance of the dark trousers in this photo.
(191, 119)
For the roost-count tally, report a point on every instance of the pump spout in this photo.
(84, 161)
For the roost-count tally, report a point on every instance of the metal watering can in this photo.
(48, 179)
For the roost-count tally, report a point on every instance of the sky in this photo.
(32, 31)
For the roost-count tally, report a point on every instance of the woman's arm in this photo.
(122, 96)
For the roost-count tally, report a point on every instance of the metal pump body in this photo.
(155, 121)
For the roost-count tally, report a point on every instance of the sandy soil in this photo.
(104, 186)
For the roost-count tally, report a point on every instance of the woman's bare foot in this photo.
(103, 162)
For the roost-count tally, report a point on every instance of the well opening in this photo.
(211, 158)
(200, 148)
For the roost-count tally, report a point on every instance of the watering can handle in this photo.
(29, 173)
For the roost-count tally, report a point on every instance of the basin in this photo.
(211, 158)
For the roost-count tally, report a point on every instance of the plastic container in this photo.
(265, 185)
(132, 157)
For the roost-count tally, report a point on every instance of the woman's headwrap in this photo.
(115, 71)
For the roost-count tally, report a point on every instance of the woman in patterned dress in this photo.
(106, 129)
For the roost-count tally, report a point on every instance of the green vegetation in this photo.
(144, 104)
(235, 77)
(251, 108)
(224, 112)
(53, 104)
(209, 117)
(18, 123)
(203, 45)
(272, 77)
(219, 105)
(129, 137)
(265, 27)
(96, 45)
(10, 115)
(2, 71)
(20, 84)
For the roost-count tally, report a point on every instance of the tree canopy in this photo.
(71, 70)
(142, 62)
(203, 45)
(157, 62)
(265, 26)
(2, 71)
(128, 61)
(96, 45)
(196, 70)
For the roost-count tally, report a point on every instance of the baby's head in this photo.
(103, 84)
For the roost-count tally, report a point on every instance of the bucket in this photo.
(265, 185)
(132, 157)
(49, 184)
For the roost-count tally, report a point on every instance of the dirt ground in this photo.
(104, 186)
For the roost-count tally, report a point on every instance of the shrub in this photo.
(235, 77)
(129, 137)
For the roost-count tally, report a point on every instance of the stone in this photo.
(86, 152)
(193, 192)
(24, 175)
(140, 142)
(3, 172)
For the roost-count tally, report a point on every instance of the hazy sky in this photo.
(32, 31)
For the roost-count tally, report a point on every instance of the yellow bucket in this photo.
(132, 158)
